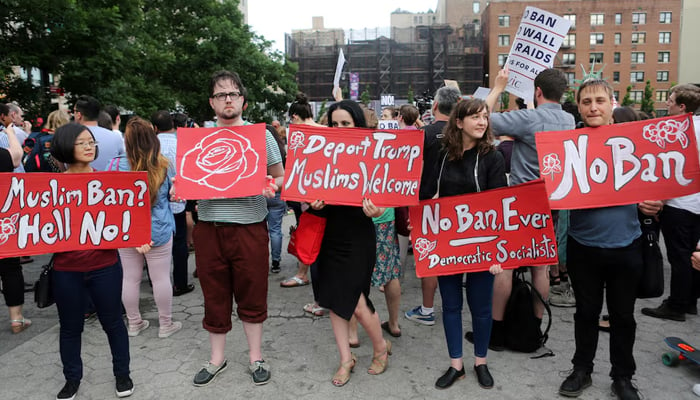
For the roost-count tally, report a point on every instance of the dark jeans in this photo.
(479, 298)
(12, 281)
(180, 251)
(314, 280)
(681, 231)
(617, 271)
(105, 288)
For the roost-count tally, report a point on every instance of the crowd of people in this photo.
(238, 241)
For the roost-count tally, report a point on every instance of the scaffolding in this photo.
(389, 61)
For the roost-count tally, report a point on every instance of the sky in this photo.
(273, 18)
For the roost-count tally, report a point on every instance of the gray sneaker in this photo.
(208, 372)
(560, 288)
(565, 299)
(260, 371)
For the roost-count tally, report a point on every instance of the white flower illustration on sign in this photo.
(667, 131)
(8, 227)
(551, 165)
(220, 160)
(424, 246)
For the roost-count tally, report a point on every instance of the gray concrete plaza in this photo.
(303, 356)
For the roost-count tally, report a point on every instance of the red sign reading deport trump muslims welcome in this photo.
(620, 164)
(510, 226)
(223, 162)
(343, 166)
(48, 213)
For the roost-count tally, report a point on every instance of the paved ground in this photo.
(302, 353)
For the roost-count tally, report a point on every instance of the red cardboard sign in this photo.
(47, 213)
(511, 226)
(222, 162)
(343, 166)
(620, 164)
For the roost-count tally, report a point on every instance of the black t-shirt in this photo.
(6, 161)
(431, 143)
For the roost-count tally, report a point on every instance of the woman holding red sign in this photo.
(143, 154)
(466, 162)
(75, 273)
(346, 262)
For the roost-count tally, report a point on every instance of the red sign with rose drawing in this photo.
(620, 164)
(343, 166)
(509, 226)
(222, 162)
(48, 213)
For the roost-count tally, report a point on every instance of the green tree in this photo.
(627, 100)
(365, 96)
(505, 101)
(410, 96)
(648, 100)
(570, 96)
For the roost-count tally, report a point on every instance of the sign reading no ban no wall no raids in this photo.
(620, 164)
(536, 44)
(344, 166)
(510, 226)
(48, 213)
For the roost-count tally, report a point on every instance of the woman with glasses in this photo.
(76, 273)
(143, 154)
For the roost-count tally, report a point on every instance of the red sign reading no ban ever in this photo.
(47, 213)
(343, 166)
(222, 162)
(511, 226)
(620, 164)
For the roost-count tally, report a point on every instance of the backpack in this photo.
(522, 331)
(37, 153)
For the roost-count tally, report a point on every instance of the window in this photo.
(595, 58)
(596, 38)
(569, 40)
(639, 18)
(502, 59)
(616, 94)
(664, 56)
(616, 58)
(569, 58)
(618, 19)
(616, 76)
(639, 37)
(661, 95)
(636, 76)
(636, 96)
(597, 19)
(637, 57)
(504, 20)
(570, 77)
(665, 17)
(571, 18)
(504, 40)
(476, 7)
(662, 76)
(664, 37)
(618, 38)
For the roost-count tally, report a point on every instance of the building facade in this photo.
(632, 41)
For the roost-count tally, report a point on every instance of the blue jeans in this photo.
(105, 288)
(479, 299)
(276, 209)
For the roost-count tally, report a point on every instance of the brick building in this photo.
(635, 41)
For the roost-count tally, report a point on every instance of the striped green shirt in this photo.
(242, 210)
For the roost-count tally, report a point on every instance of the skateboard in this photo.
(685, 352)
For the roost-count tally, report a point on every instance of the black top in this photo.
(6, 161)
(431, 142)
(458, 175)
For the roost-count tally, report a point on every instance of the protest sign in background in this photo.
(48, 213)
(536, 44)
(343, 166)
(620, 164)
(222, 162)
(510, 226)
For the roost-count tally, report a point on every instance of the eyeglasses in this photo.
(222, 96)
(87, 145)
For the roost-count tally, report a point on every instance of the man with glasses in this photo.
(86, 111)
(231, 243)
